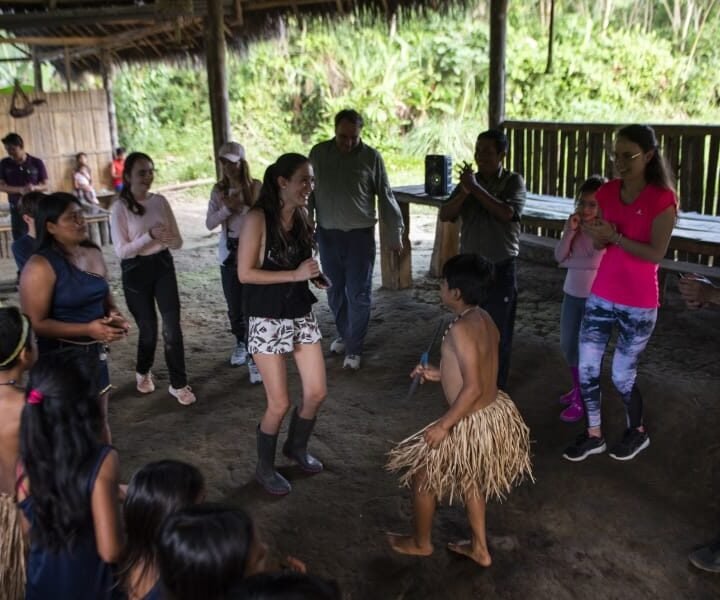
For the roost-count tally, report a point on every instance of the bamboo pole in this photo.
(498, 37)
(108, 74)
(217, 76)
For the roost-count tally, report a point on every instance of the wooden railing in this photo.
(555, 158)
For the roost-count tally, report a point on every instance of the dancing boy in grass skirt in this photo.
(479, 449)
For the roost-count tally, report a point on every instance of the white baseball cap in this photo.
(231, 151)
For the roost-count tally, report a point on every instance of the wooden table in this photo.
(694, 236)
(397, 271)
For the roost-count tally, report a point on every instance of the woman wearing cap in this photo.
(230, 199)
(144, 230)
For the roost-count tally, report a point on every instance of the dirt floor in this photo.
(596, 529)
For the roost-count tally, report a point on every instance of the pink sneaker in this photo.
(574, 412)
(184, 395)
(567, 398)
(144, 383)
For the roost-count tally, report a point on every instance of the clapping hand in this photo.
(600, 231)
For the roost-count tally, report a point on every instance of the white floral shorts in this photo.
(280, 336)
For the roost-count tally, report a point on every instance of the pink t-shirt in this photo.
(623, 278)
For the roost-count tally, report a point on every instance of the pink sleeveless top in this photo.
(623, 278)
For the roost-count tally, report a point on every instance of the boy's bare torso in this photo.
(471, 343)
(12, 400)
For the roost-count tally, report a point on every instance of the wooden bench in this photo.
(98, 231)
(5, 240)
(544, 218)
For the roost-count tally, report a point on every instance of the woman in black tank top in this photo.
(275, 264)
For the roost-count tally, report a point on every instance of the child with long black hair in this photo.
(144, 230)
(205, 551)
(17, 353)
(68, 489)
(156, 491)
(275, 263)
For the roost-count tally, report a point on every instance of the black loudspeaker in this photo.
(438, 174)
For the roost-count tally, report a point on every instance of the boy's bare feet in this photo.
(465, 547)
(406, 544)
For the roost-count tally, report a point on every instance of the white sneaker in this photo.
(337, 346)
(145, 383)
(239, 355)
(254, 372)
(184, 395)
(352, 361)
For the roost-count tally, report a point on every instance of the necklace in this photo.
(457, 318)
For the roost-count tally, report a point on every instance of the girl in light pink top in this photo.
(637, 215)
(143, 231)
(577, 253)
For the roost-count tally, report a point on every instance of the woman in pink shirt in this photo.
(143, 230)
(637, 215)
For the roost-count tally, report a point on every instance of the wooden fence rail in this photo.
(555, 158)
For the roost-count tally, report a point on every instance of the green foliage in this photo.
(421, 84)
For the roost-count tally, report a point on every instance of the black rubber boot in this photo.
(265, 472)
(295, 447)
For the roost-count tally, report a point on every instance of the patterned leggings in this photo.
(635, 326)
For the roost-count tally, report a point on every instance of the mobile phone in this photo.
(322, 281)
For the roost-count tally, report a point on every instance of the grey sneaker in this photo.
(584, 446)
(707, 558)
(337, 346)
(254, 372)
(352, 361)
(632, 443)
(239, 356)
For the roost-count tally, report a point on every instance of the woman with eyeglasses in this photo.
(231, 198)
(144, 230)
(65, 293)
(637, 216)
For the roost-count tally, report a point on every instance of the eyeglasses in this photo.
(623, 157)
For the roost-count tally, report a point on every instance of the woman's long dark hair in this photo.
(11, 332)
(301, 233)
(203, 551)
(657, 171)
(49, 210)
(156, 491)
(59, 444)
(126, 194)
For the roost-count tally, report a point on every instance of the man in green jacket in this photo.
(349, 174)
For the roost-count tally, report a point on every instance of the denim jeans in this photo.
(501, 304)
(348, 258)
(232, 288)
(18, 226)
(635, 326)
(571, 316)
(147, 280)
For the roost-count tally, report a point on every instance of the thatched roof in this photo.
(82, 32)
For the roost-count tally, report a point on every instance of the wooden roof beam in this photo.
(35, 40)
(101, 14)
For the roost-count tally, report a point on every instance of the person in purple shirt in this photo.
(20, 173)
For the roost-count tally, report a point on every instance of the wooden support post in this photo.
(68, 69)
(217, 76)
(396, 269)
(108, 74)
(37, 72)
(498, 37)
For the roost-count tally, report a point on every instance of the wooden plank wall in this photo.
(67, 124)
(555, 158)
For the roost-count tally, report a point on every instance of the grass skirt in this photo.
(12, 550)
(486, 453)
